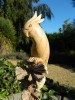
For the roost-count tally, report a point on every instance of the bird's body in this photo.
(40, 45)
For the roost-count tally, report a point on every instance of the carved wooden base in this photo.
(33, 79)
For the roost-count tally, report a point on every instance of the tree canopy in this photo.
(73, 1)
(19, 11)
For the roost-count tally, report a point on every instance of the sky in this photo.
(62, 10)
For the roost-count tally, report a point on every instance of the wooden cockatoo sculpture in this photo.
(40, 51)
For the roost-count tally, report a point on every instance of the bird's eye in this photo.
(30, 25)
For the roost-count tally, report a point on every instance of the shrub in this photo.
(8, 83)
(6, 46)
(7, 29)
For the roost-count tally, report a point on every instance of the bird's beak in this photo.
(26, 32)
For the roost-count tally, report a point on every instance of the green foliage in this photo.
(8, 83)
(7, 36)
(52, 92)
(7, 29)
(44, 9)
(52, 89)
(5, 45)
(45, 96)
(24, 11)
(46, 93)
(45, 88)
(64, 40)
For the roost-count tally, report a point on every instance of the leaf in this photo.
(45, 96)
(8, 83)
(52, 92)
(3, 93)
(45, 88)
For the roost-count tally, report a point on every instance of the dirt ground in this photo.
(64, 76)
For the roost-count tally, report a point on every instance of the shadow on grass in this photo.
(63, 91)
(55, 89)
(63, 59)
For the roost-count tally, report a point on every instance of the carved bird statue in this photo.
(40, 50)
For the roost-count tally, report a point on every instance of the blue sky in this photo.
(62, 10)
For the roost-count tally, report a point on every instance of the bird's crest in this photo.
(36, 18)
